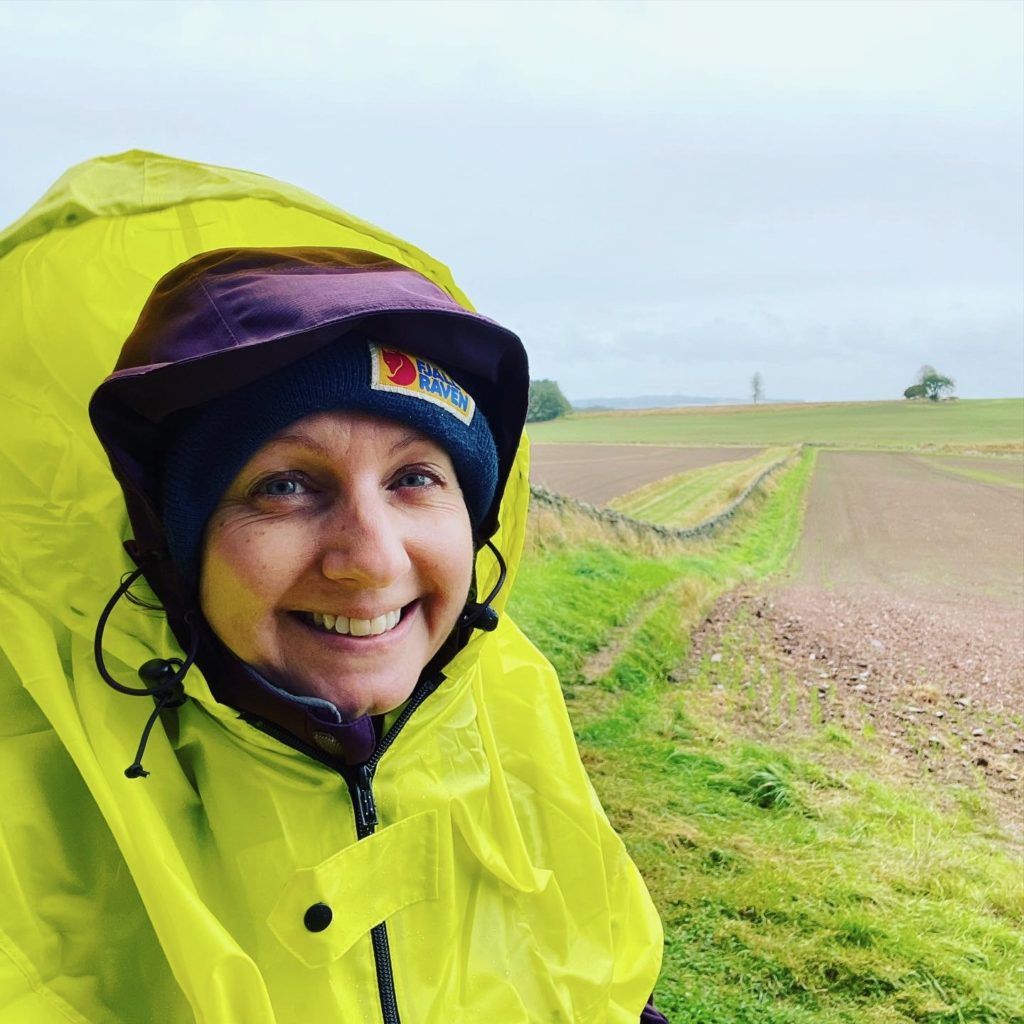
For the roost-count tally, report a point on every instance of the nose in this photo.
(363, 542)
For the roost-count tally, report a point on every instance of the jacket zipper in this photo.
(365, 808)
(360, 787)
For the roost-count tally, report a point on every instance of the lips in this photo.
(343, 625)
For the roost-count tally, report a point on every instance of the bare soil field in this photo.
(879, 519)
(596, 473)
(905, 611)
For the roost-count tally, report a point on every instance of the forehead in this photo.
(344, 434)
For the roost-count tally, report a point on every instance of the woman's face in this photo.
(339, 559)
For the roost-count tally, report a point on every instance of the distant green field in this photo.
(986, 424)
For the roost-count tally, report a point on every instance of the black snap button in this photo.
(318, 917)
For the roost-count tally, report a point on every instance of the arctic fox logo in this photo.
(400, 367)
(418, 379)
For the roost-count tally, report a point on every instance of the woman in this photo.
(365, 799)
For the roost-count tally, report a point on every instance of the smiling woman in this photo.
(339, 559)
(362, 797)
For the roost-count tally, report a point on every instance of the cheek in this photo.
(454, 569)
(238, 582)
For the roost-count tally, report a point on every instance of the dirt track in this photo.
(599, 472)
(905, 609)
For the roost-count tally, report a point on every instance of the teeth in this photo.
(357, 627)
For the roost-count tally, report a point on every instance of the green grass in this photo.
(567, 601)
(689, 498)
(991, 424)
(790, 894)
(1012, 476)
(799, 880)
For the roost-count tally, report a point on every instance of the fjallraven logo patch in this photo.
(401, 373)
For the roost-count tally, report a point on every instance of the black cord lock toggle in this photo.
(157, 673)
(480, 615)
(164, 677)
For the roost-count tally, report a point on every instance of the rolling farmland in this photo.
(965, 425)
(817, 769)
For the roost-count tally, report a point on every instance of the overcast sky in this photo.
(659, 197)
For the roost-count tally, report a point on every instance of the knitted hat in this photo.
(207, 445)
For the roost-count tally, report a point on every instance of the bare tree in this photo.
(756, 388)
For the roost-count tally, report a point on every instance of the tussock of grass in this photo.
(797, 882)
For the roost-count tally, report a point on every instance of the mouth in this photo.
(344, 625)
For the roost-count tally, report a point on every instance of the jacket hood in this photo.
(225, 318)
(116, 241)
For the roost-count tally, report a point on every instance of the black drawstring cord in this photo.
(481, 614)
(165, 674)
(172, 699)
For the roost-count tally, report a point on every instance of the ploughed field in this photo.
(904, 603)
(597, 473)
(904, 610)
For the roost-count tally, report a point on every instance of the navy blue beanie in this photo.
(207, 445)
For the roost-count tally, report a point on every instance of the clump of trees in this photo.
(930, 384)
(757, 388)
(546, 401)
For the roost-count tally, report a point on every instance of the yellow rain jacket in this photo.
(179, 897)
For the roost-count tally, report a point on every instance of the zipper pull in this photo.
(366, 807)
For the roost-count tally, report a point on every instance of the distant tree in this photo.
(546, 401)
(936, 385)
(933, 384)
(914, 391)
(756, 388)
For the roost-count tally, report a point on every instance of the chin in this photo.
(352, 705)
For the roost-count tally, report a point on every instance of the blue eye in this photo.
(414, 479)
(280, 487)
